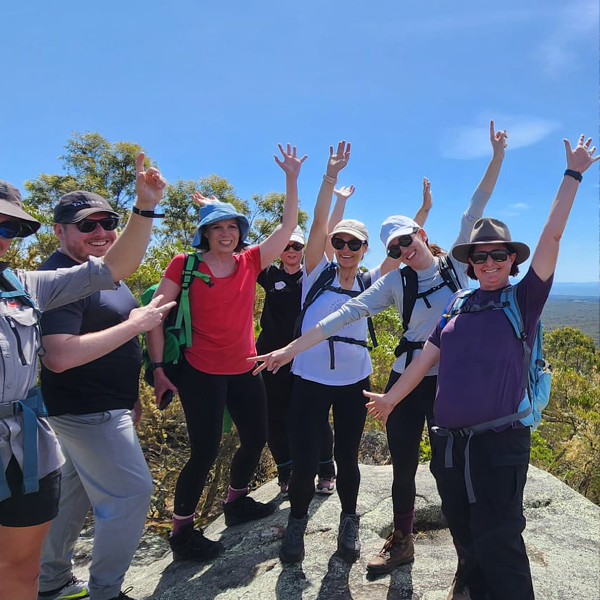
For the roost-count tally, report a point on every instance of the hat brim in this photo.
(398, 233)
(461, 251)
(12, 210)
(353, 232)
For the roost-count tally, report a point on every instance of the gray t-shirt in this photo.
(19, 367)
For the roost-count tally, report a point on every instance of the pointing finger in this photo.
(139, 163)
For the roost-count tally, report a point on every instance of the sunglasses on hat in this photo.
(403, 241)
(353, 244)
(480, 256)
(297, 246)
(12, 229)
(88, 225)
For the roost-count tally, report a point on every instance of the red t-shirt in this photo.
(222, 315)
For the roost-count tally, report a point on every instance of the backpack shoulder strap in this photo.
(325, 278)
(410, 286)
(448, 273)
(455, 303)
(18, 290)
(512, 311)
(364, 282)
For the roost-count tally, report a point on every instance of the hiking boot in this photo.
(244, 509)
(74, 588)
(397, 550)
(190, 544)
(326, 486)
(348, 538)
(292, 547)
(284, 488)
(123, 595)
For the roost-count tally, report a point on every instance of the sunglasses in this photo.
(88, 225)
(354, 244)
(403, 241)
(479, 257)
(11, 229)
(297, 246)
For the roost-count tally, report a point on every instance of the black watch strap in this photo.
(147, 213)
(157, 365)
(574, 174)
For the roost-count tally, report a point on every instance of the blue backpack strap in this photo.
(454, 304)
(18, 291)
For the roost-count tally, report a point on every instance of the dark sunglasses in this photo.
(479, 257)
(354, 244)
(404, 241)
(12, 229)
(88, 225)
(297, 246)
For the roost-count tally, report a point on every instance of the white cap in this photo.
(396, 226)
(297, 235)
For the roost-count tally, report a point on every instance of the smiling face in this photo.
(493, 275)
(223, 236)
(291, 258)
(418, 255)
(349, 258)
(80, 246)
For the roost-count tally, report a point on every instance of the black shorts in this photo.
(26, 510)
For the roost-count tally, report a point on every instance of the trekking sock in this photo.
(233, 494)
(179, 522)
(404, 521)
(326, 469)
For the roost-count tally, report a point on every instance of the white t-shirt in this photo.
(352, 362)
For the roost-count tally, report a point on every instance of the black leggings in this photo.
(279, 394)
(404, 431)
(204, 397)
(309, 411)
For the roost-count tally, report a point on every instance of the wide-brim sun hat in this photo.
(10, 205)
(219, 211)
(395, 226)
(353, 227)
(490, 231)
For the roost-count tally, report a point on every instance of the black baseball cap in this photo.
(77, 205)
(10, 205)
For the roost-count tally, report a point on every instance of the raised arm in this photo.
(389, 264)
(579, 160)
(274, 245)
(381, 405)
(126, 253)
(486, 186)
(341, 196)
(317, 238)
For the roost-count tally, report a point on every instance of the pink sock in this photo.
(233, 494)
(404, 521)
(179, 522)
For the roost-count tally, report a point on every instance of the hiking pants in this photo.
(279, 394)
(404, 430)
(104, 469)
(204, 397)
(487, 534)
(309, 411)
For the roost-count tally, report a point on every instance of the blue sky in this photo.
(211, 88)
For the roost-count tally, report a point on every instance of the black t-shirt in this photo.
(283, 295)
(107, 383)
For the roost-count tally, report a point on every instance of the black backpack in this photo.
(323, 284)
(410, 286)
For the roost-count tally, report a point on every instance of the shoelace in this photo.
(387, 546)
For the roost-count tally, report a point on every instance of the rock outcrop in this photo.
(561, 537)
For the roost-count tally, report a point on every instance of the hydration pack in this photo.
(323, 284)
(410, 295)
(536, 371)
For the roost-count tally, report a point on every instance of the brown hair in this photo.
(436, 250)
(514, 270)
(203, 245)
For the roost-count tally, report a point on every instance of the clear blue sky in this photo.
(212, 87)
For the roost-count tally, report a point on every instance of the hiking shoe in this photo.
(397, 550)
(459, 590)
(244, 509)
(74, 588)
(123, 595)
(348, 538)
(190, 544)
(325, 486)
(292, 547)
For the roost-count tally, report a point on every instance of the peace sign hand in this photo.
(149, 185)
